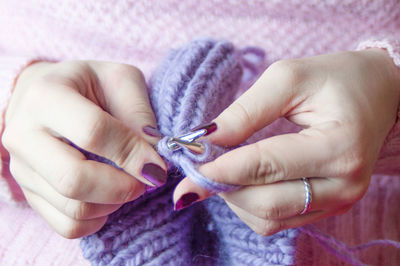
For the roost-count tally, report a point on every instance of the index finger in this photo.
(310, 153)
(74, 177)
(89, 127)
(272, 96)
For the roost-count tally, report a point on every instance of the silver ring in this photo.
(308, 195)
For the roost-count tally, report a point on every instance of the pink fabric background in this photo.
(140, 33)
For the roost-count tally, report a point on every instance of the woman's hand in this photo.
(100, 107)
(346, 104)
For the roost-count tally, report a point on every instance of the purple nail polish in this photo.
(210, 128)
(155, 174)
(150, 189)
(152, 132)
(186, 200)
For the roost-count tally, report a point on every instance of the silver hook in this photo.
(188, 141)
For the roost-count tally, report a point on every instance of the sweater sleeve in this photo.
(389, 158)
(10, 67)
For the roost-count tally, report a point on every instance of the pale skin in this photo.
(346, 103)
(101, 107)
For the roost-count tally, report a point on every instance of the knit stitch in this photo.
(200, 81)
(139, 33)
(191, 87)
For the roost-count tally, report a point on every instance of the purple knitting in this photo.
(192, 86)
(202, 82)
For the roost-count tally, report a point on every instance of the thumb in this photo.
(187, 192)
(310, 153)
(273, 95)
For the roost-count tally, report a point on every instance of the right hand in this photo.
(102, 108)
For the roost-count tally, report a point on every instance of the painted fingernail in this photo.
(210, 128)
(186, 200)
(155, 174)
(152, 131)
(150, 188)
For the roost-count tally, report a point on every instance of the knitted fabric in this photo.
(191, 87)
(140, 33)
(194, 85)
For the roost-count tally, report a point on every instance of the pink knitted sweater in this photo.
(140, 33)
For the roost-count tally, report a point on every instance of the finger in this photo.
(77, 210)
(312, 152)
(62, 224)
(74, 177)
(187, 192)
(89, 127)
(279, 200)
(256, 164)
(269, 227)
(286, 199)
(273, 95)
(125, 89)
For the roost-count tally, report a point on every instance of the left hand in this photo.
(346, 104)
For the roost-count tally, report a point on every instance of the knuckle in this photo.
(34, 92)
(351, 193)
(72, 66)
(355, 166)
(288, 70)
(8, 139)
(262, 172)
(71, 230)
(240, 112)
(128, 152)
(266, 170)
(35, 98)
(219, 167)
(344, 210)
(359, 191)
(272, 212)
(124, 70)
(94, 130)
(12, 138)
(128, 194)
(77, 210)
(142, 109)
(268, 228)
(13, 169)
(69, 184)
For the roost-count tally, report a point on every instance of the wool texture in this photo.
(140, 33)
(192, 86)
(200, 80)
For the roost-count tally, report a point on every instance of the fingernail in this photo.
(150, 188)
(210, 128)
(155, 174)
(152, 131)
(186, 200)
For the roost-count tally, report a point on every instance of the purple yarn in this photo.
(340, 249)
(192, 86)
(186, 161)
(209, 85)
(239, 245)
(143, 232)
(202, 79)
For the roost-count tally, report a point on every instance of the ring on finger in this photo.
(308, 195)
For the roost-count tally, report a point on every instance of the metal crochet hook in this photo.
(188, 141)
